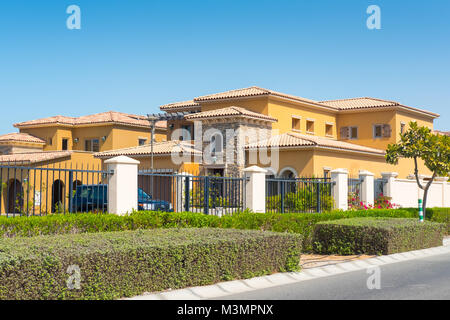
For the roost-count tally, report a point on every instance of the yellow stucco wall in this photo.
(406, 117)
(253, 104)
(117, 136)
(365, 121)
(285, 110)
(307, 163)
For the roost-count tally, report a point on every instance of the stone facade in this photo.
(234, 134)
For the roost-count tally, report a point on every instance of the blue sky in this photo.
(133, 56)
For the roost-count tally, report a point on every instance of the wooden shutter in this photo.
(345, 132)
(386, 131)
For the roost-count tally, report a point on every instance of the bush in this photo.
(122, 264)
(375, 236)
(302, 223)
(441, 215)
(304, 200)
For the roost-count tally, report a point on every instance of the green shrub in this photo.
(375, 236)
(122, 264)
(441, 215)
(302, 223)
(304, 201)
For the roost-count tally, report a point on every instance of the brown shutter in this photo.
(344, 133)
(387, 131)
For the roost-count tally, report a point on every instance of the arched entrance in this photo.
(15, 196)
(288, 173)
(58, 202)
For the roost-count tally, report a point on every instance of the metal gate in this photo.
(211, 195)
(298, 195)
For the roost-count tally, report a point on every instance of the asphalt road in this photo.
(425, 278)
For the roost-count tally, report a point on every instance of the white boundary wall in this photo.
(406, 192)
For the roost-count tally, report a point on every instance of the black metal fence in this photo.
(30, 191)
(298, 195)
(212, 195)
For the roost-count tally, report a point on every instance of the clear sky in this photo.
(133, 56)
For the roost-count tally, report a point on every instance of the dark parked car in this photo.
(89, 198)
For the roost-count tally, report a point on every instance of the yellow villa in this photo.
(310, 137)
(63, 144)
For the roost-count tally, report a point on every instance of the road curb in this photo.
(239, 286)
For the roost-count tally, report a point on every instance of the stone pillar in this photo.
(122, 185)
(367, 187)
(255, 189)
(389, 185)
(340, 188)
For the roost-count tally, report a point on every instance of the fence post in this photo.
(339, 178)
(122, 185)
(255, 189)
(318, 207)
(186, 194)
(367, 187)
(389, 186)
(206, 196)
(71, 191)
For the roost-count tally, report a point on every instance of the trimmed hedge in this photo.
(377, 236)
(302, 223)
(122, 264)
(441, 215)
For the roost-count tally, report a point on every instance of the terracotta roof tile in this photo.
(159, 148)
(33, 157)
(229, 112)
(104, 117)
(445, 133)
(293, 139)
(253, 92)
(20, 137)
(185, 105)
(369, 103)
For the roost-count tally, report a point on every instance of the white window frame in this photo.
(299, 118)
(350, 133)
(92, 145)
(332, 126)
(314, 124)
(374, 130)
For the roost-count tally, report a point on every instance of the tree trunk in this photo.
(425, 195)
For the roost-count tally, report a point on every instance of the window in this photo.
(142, 141)
(65, 144)
(296, 123)
(349, 133)
(50, 141)
(310, 126)
(217, 143)
(402, 127)
(329, 129)
(186, 134)
(92, 145)
(353, 133)
(378, 131)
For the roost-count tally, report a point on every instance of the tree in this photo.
(420, 143)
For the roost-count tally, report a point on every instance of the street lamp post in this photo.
(152, 120)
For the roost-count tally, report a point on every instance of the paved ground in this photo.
(309, 261)
(422, 278)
